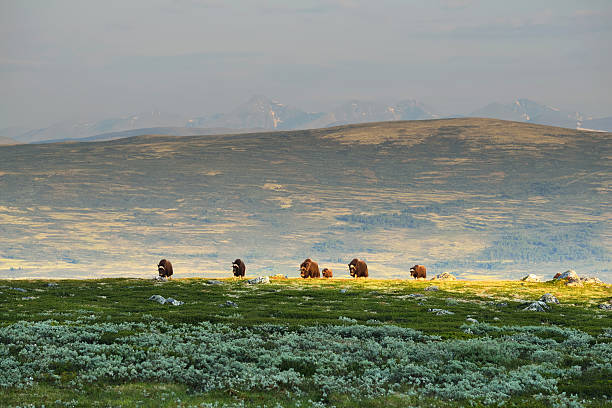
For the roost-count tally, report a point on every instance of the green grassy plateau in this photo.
(100, 342)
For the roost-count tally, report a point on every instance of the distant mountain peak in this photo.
(527, 110)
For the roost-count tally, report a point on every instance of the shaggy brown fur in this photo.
(309, 269)
(327, 273)
(418, 271)
(358, 268)
(239, 268)
(164, 268)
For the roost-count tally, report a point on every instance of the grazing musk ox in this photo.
(418, 271)
(239, 268)
(309, 269)
(358, 268)
(164, 268)
(327, 273)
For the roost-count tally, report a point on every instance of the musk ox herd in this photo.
(308, 269)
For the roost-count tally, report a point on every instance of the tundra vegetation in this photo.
(303, 343)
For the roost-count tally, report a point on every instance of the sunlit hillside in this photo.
(475, 197)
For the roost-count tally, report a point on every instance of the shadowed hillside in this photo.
(475, 197)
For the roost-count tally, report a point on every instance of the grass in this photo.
(296, 303)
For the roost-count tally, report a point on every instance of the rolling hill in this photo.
(474, 197)
(7, 141)
(158, 131)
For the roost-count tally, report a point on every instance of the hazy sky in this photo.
(73, 59)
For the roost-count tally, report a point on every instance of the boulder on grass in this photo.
(549, 298)
(163, 301)
(440, 312)
(259, 280)
(444, 276)
(158, 298)
(569, 274)
(592, 280)
(531, 278)
(537, 306)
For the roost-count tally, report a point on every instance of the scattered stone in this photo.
(433, 287)
(444, 276)
(593, 280)
(19, 289)
(496, 319)
(160, 278)
(279, 276)
(228, 303)
(213, 282)
(417, 295)
(163, 301)
(440, 312)
(29, 297)
(531, 278)
(605, 306)
(51, 284)
(174, 302)
(471, 320)
(158, 298)
(502, 304)
(259, 280)
(573, 282)
(342, 290)
(537, 306)
(549, 298)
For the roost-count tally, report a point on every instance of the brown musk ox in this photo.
(418, 271)
(358, 268)
(239, 268)
(309, 269)
(327, 273)
(164, 268)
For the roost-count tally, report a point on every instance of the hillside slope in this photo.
(475, 197)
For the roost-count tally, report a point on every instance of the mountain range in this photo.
(260, 113)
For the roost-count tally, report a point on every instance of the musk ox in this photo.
(164, 268)
(309, 269)
(358, 268)
(327, 273)
(418, 271)
(239, 268)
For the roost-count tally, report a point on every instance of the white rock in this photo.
(158, 298)
(228, 303)
(591, 280)
(531, 278)
(569, 274)
(444, 276)
(471, 320)
(549, 298)
(432, 288)
(259, 280)
(440, 312)
(537, 306)
(213, 282)
(163, 301)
